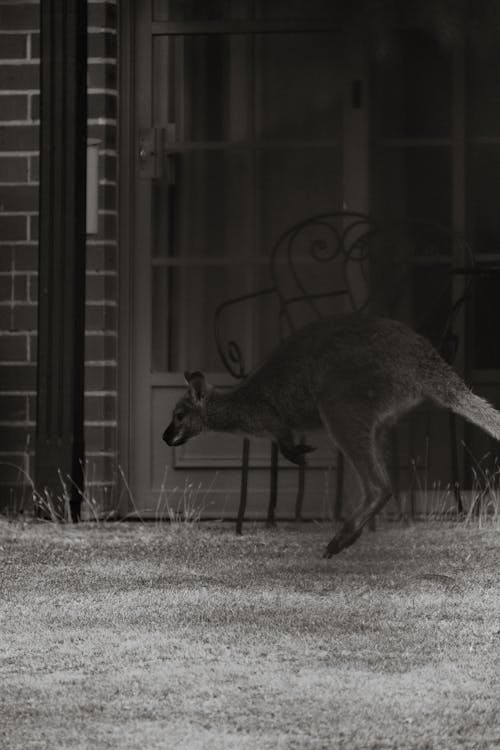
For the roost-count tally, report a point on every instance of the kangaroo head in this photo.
(188, 418)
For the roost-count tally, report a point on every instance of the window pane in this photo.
(183, 310)
(299, 86)
(414, 183)
(486, 311)
(483, 189)
(307, 290)
(216, 188)
(483, 95)
(296, 184)
(411, 274)
(202, 86)
(432, 303)
(413, 88)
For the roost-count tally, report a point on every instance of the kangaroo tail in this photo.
(473, 408)
(478, 411)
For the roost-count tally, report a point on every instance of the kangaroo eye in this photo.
(179, 416)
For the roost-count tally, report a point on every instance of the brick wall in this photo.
(19, 126)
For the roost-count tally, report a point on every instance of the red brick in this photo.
(19, 198)
(100, 287)
(107, 197)
(33, 342)
(13, 46)
(25, 317)
(99, 438)
(13, 348)
(17, 377)
(21, 288)
(101, 257)
(13, 408)
(100, 378)
(16, 17)
(100, 408)
(102, 44)
(25, 257)
(5, 258)
(6, 291)
(100, 317)
(14, 438)
(13, 168)
(19, 138)
(31, 408)
(101, 105)
(107, 167)
(101, 76)
(35, 107)
(18, 318)
(107, 226)
(34, 168)
(12, 228)
(35, 46)
(13, 107)
(33, 287)
(100, 347)
(19, 77)
(102, 15)
(34, 227)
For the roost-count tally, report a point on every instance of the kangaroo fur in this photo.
(354, 375)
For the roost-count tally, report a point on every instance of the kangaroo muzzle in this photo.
(173, 439)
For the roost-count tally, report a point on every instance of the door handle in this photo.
(148, 154)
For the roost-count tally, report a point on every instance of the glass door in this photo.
(241, 133)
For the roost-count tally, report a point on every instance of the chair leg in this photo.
(337, 508)
(274, 486)
(300, 493)
(244, 485)
(301, 487)
(455, 477)
(395, 473)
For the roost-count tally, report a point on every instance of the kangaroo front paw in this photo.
(345, 537)
(305, 448)
(296, 453)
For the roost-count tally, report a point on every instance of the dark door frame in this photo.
(126, 200)
(59, 450)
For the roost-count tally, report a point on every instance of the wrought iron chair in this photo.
(336, 244)
(375, 268)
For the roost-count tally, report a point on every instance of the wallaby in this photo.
(354, 375)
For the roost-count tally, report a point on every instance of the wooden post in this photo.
(61, 306)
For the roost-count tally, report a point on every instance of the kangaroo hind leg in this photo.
(358, 436)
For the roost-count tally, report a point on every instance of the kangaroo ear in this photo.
(197, 384)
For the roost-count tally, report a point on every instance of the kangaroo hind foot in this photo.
(360, 440)
(347, 535)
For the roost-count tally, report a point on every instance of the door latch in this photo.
(148, 153)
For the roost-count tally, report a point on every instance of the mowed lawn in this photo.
(139, 636)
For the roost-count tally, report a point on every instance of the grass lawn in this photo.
(136, 636)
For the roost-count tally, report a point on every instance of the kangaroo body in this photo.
(353, 375)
